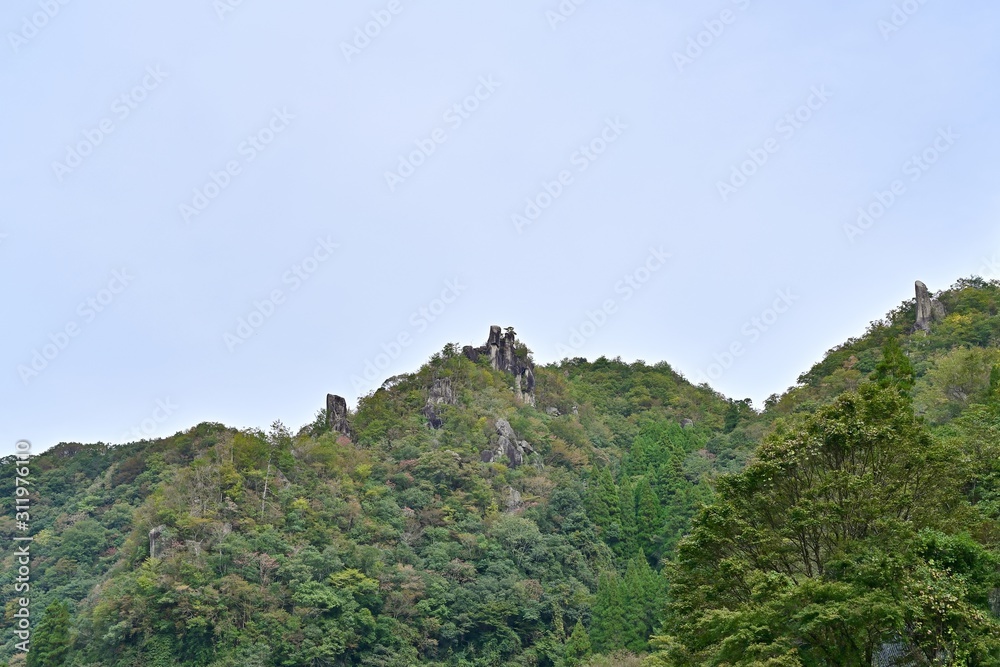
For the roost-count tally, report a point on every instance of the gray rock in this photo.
(894, 654)
(336, 414)
(928, 309)
(513, 499)
(938, 312)
(440, 393)
(501, 348)
(554, 411)
(687, 423)
(505, 430)
(507, 446)
(154, 535)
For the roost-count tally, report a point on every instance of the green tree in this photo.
(801, 557)
(643, 595)
(577, 646)
(647, 510)
(738, 411)
(607, 625)
(600, 496)
(50, 642)
(895, 368)
(627, 540)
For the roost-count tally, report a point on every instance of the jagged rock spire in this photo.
(502, 351)
(928, 309)
(440, 393)
(336, 414)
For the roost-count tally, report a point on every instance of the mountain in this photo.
(487, 511)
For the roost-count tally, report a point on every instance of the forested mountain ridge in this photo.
(487, 511)
(864, 530)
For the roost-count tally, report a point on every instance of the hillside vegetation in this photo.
(619, 515)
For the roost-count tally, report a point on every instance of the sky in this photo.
(222, 210)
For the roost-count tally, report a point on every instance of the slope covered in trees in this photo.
(397, 545)
(622, 515)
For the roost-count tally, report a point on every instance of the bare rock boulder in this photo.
(928, 309)
(501, 349)
(154, 537)
(336, 414)
(507, 446)
(440, 393)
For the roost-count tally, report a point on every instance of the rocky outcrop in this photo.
(155, 535)
(512, 499)
(928, 309)
(501, 349)
(507, 446)
(336, 414)
(938, 312)
(894, 654)
(440, 393)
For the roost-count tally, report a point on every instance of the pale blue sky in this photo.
(302, 225)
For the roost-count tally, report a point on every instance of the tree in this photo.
(647, 508)
(642, 594)
(994, 383)
(800, 559)
(50, 643)
(895, 369)
(596, 502)
(577, 646)
(627, 543)
(608, 614)
(603, 505)
(738, 411)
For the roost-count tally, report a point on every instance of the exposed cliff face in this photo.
(336, 414)
(507, 446)
(928, 309)
(154, 535)
(440, 393)
(501, 348)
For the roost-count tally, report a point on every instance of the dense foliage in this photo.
(650, 520)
